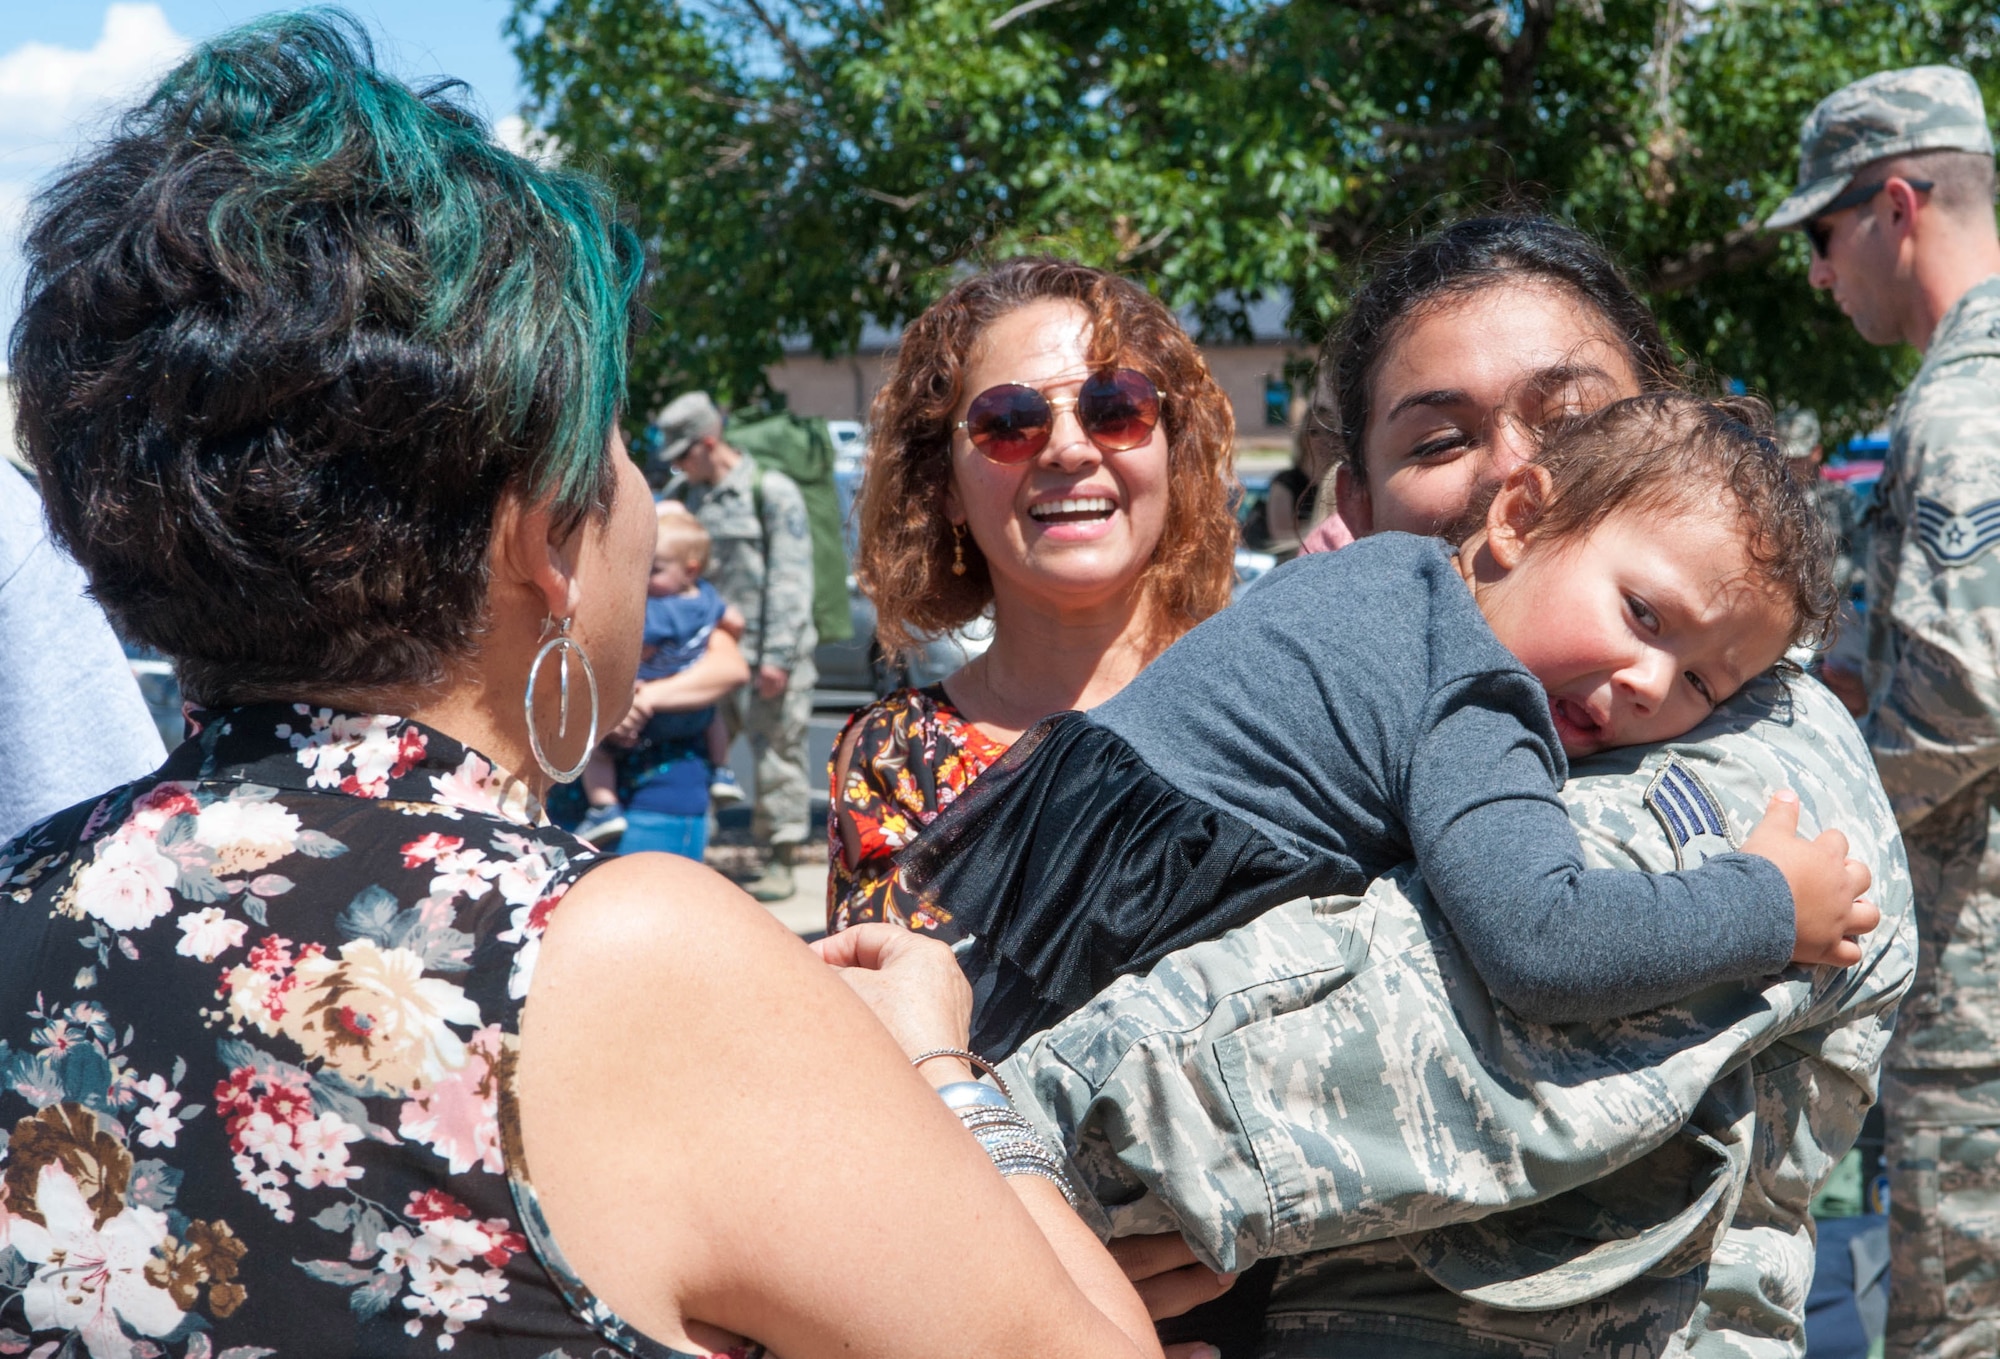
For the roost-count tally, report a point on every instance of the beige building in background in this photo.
(1252, 374)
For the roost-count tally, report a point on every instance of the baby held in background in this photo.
(1400, 700)
(679, 760)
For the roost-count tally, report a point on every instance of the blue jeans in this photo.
(686, 836)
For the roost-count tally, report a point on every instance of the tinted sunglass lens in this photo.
(1009, 423)
(1118, 410)
(1820, 234)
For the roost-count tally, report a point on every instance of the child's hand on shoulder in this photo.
(1826, 885)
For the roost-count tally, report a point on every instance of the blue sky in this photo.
(67, 64)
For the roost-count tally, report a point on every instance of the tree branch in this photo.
(1745, 245)
(1020, 11)
(901, 204)
(783, 37)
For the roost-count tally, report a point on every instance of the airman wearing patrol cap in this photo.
(1895, 193)
(762, 563)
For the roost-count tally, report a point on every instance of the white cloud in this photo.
(47, 92)
(52, 98)
(514, 133)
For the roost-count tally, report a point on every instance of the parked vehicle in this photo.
(858, 669)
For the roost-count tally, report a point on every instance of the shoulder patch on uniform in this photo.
(1691, 815)
(1954, 539)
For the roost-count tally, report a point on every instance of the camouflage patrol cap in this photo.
(688, 417)
(1798, 431)
(1891, 113)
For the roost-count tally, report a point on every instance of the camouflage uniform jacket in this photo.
(1933, 674)
(1332, 1082)
(762, 563)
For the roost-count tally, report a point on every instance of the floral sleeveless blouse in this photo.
(913, 753)
(258, 1020)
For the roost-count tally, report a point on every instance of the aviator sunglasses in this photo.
(1117, 408)
(1820, 231)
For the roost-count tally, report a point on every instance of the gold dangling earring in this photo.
(958, 549)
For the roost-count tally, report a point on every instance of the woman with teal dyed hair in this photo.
(320, 1039)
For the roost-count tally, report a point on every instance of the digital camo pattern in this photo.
(1933, 676)
(1891, 113)
(1332, 1082)
(778, 729)
(1933, 672)
(1944, 1211)
(761, 562)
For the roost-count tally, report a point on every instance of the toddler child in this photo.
(1399, 699)
(680, 760)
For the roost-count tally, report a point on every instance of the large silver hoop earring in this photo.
(564, 647)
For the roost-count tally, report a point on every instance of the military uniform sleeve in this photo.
(788, 578)
(1334, 1072)
(1553, 941)
(1935, 724)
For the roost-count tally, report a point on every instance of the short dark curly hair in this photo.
(289, 334)
(1671, 452)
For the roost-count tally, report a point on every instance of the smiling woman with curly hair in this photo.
(1049, 446)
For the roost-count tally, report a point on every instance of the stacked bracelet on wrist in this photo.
(1008, 1139)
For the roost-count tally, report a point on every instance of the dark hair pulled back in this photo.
(1458, 260)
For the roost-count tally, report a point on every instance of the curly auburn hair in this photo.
(906, 549)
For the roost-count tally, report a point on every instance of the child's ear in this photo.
(1515, 512)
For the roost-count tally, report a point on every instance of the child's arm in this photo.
(1556, 942)
(732, 622)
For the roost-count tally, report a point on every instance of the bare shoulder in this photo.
(653, 918)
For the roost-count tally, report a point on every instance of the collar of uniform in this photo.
(738, 477)
(375, 756)
(1980, 301)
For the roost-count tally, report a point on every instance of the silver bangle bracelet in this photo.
(961, 1097)
(970, 1058)
(979, 1117)
(1053, 1174)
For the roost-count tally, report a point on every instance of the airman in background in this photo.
(762, 563)
(1895, 192)
(1331, 1083)
(1799, 432)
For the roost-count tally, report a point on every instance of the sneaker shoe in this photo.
(601, 824)
(723, 788)
(775, 883)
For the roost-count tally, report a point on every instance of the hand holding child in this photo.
(1826, 885)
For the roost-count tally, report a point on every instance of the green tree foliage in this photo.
(801, 166)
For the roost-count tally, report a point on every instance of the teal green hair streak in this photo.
(298, 101)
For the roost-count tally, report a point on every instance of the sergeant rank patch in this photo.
(1691, 815)
(1955, 539)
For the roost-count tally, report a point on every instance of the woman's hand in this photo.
(1166, 1274)
(911, 983)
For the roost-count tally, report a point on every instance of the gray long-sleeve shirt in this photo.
(1356, 708)
(72, 720)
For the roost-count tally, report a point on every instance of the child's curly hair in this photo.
(1669, 452)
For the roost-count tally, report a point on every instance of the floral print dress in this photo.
(258, 1019)
(912, 755)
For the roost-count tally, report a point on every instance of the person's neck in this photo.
(1946, 270)
(725, 460)
(1045, 661)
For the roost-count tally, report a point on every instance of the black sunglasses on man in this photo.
(1820, 231)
